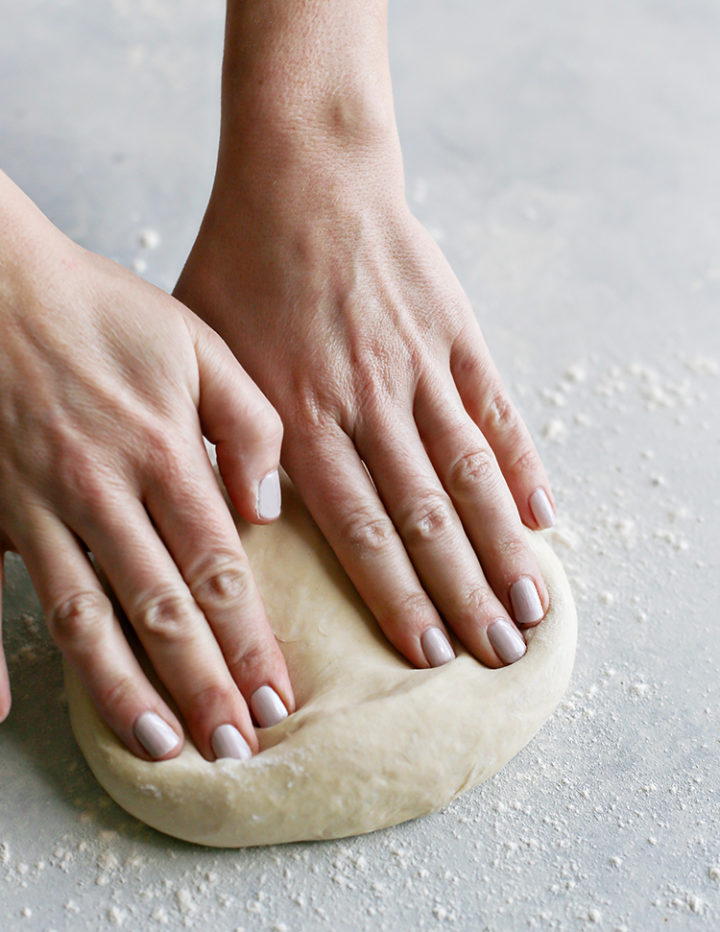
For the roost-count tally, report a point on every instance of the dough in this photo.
(374, 742)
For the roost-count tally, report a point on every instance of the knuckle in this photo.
(224, 581)
(262, 426)
(117, 694)
(167, 616)
(526, 462)
(373, 393)
(468, 359)
(501, 413)
(510, 548)
(246, 663)
(73, 468)
(164, 458)
(475, 604)
(405, 610)
(209, 697)
(472, 471)
(163, 450)
(313, 411)
(431, 518)
(77, 617)
(85, 485)
(368, 533)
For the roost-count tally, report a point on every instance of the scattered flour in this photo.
(149, 238)
(555, 430)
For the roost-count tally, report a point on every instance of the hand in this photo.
(398, 431)
(106, 388)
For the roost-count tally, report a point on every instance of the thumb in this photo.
(243, 425)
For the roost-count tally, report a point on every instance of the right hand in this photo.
(399, 434)
(107, 386)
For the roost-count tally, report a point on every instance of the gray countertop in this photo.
(565, 155)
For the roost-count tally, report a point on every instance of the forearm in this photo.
(299, 74)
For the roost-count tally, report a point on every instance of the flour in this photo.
(555, 430)
(149, 238)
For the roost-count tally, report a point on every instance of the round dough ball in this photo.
(374, 742)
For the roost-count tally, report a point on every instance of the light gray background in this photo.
(565, 154)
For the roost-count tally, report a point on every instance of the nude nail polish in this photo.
(155, 735)
(227, 741)
(506, 640)
(269, 497)
(527, 607)
(267, 707)
(436, 647)
(541, 509)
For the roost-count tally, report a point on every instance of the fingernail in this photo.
(267, 707)
(436, 647)
(155, 735)
(227, 741)
(269, 497)
(541, 509)
(526, 603)
(506, 640)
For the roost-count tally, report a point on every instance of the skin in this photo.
(398, 430)
(107, 386)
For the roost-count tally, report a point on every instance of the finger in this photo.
(195, 524)
(488, 404)
(82, 623)
(343, 501)
(172, 629)
(437, 544)
(243, 425)
(470, 474)
(5, 700)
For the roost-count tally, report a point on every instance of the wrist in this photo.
(34, 255)
(300, 75)
(26, 234)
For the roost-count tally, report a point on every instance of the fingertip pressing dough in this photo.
(373, 742)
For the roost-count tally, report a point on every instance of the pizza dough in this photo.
(374, 742)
